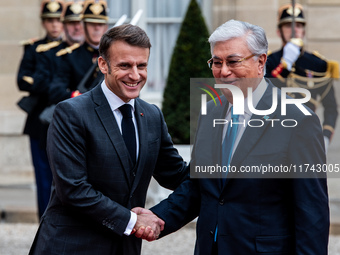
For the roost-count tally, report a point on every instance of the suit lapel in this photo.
(108, 120)
(216, 150)
(252, 135)
(141, 120)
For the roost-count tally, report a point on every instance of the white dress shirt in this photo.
(115, 102)
(244, 119)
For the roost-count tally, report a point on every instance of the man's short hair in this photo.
(254, 35)
(133, 35)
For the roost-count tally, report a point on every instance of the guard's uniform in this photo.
(78, 62)
(32, 80)
(73, 68)
(51, 60)
(33, 77)
(310, 71)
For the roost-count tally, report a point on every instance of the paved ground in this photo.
(17, 238)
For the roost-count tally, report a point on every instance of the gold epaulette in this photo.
(317, 54)
(28, 41)
(269, 52)
(68, 49)
(333, 68)
(47, 46)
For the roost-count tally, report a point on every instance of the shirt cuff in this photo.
(131, 224)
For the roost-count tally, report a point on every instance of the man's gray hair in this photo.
(255, 35)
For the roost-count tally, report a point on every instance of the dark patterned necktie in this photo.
(128, 130)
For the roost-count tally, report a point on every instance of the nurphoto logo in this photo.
(238, 100)
(238, 105)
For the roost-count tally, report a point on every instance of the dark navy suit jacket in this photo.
(256, 215)
(95, 182)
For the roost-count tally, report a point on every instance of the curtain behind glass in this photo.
(163, 36)
(163, 25)
(117, 8)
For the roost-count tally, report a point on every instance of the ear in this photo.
(278, 32)
(262, 61)
(102, 64)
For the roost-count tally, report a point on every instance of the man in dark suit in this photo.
(294, 66)
(98, 177)
(32, 79)
(242, 211)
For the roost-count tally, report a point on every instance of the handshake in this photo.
(148, 225)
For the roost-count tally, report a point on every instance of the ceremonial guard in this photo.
(50, 60)
(73, 25)
(73, 38)
(30, 79)
(293, 66)
(79, 71)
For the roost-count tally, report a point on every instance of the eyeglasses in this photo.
(231, 63)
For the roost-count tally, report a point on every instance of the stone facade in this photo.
(19, 20)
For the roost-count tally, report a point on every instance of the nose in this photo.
(225, 70)
(134, 74)
(55, 23)
(77, 24)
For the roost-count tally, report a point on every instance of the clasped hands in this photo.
(148, 225)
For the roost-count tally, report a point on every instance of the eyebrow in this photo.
(229, 56)
(123, 63)
(128, 63)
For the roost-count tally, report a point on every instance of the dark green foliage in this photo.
(189, 60)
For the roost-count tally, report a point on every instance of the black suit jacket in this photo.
(254, 214)
(95, 183)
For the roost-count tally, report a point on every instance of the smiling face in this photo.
(126, 72)
(247, 74)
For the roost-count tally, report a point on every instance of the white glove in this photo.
(326, 139)
(291, 53)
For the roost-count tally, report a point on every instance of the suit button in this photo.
(222, 201)
(134, 174)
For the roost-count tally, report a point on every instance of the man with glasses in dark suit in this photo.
(241, 210)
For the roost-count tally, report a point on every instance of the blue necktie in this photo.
(128, 130)
(229, 141)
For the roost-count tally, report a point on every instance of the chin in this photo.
(132, 95)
